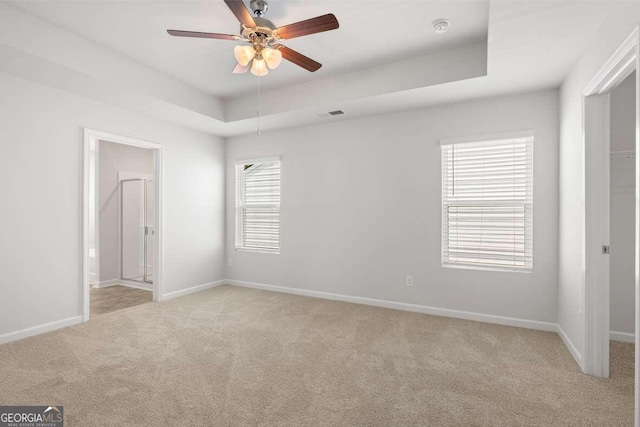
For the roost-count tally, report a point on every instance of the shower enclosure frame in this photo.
(121, 182)
(91, 207)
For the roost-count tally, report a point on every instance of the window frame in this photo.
(239, 228)
(487, 138)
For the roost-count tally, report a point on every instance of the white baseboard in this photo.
(40, 329)
(105, 283)
(124, 282)
(138, 285)
(622, 336)
(183, 292)
(572, 348)
(488, 318)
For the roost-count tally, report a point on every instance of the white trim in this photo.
(257, 160)
(622, 336)
(95, 192)
(124, 282)
(91, 138)
(59, 324)
(595, 265)
(89, 146)
(570, 345)
(596, 231)
(458, 314)
(617, 68)
(40, 329)
(112, 137)
(158, 260)
(488, 137)
(105, 283)
(138, 285)
(194, 289)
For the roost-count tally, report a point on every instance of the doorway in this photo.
(122, 262)
(597, 248)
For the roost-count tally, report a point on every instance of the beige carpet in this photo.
(233, 356)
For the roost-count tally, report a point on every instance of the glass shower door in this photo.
(137, 218)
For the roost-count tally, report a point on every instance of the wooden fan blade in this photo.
(180, 33)
(299, 59)
(241, 69)
(310, 26)
(241, 12)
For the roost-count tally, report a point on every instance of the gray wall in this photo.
(41, 174)
(361, 208)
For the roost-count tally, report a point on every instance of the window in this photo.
(258, 205)
(487, 204)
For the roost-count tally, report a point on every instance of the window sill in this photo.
(487, 268)
(259, 251)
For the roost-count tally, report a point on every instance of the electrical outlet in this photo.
(230, 262)
(409, 281)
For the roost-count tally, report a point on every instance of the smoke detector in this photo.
(441, 25)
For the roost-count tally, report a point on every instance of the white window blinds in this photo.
(258, 205)
(487, 204)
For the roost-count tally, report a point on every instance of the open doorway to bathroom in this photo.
(122, 233)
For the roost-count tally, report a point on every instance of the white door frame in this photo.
(91, 139)
(595, 265)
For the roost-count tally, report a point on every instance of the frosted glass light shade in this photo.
(259, 68)
(244, 54)
(272, 56)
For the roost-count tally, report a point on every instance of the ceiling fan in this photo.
(264, 38)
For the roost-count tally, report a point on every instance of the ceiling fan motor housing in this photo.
(259, 7)
(264, 28)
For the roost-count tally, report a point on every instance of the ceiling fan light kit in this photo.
(259, 68)
(263, 38)
(273, 57)
(244, 54)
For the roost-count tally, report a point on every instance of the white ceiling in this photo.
(371, 32)
(119, 52)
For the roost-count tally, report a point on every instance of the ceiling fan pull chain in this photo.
(259, 99)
